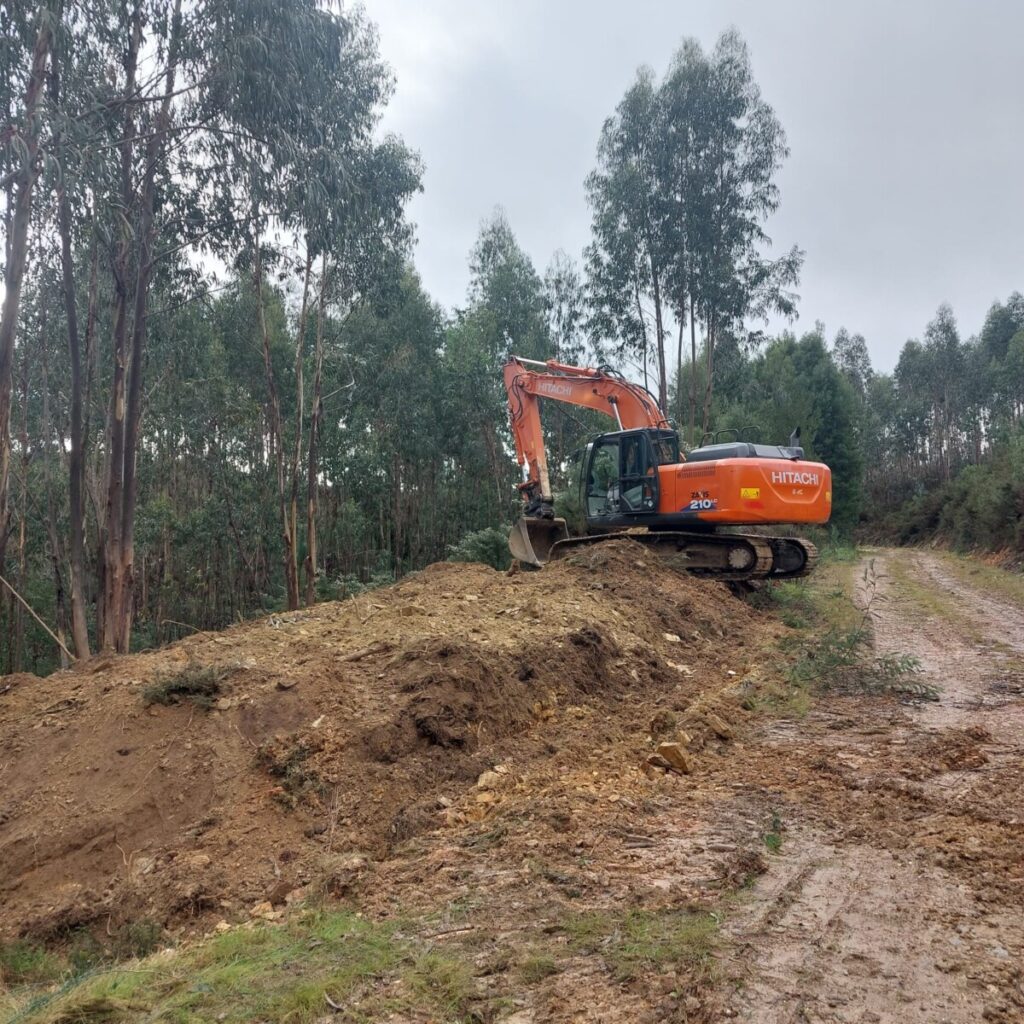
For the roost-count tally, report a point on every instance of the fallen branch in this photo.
(380, 647)
(53, 636)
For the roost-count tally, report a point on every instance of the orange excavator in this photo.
(635, 477)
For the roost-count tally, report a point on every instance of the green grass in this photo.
(772, 837)
(838, 552)
(24, 963)
(538, 966)
(929, 599)
(638, 941)
(1007, 585)
(831, 646)
(274, 973)
(812, 606)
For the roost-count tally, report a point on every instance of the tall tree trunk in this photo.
(679, 370)
(76, 468)
(659, 330)
(147, 236)
(300, 395)
(693, 374)
(643, 327)
(315, 416)
(18, 254)
(709, 341)
(53, 534)
(113, 591)
(19, 620)
(276, 430)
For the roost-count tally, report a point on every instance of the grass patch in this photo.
(272, 973)
(812, 606)
(1002, 582)
(839, 552)
(638, 941)
(929, 599)
(443, 982)
(844, 661)
(24, 963)
(538, 966)
(835, 651)
(193, 683)
(792, 600)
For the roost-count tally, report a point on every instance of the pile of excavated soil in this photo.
(340, 733)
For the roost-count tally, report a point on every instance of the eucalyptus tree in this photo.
(850, 352)
(945, 381)
(21, 167)
(684, 184)
(725, 146)
(627, 258)
(565, 304)
(295, 100)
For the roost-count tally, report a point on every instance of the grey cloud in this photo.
(904, 120)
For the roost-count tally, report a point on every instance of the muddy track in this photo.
(897, 895)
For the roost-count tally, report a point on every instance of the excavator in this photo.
(634, 483)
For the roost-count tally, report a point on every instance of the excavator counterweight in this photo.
(635, 483)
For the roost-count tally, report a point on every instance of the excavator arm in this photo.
(627, 403)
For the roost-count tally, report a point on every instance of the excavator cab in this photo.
(620, 481)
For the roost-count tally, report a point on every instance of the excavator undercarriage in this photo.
(720, 556)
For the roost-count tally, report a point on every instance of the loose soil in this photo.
(473, 750)
(343, 732)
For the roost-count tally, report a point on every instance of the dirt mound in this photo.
(271, 761)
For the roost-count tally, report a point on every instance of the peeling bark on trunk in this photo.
(110, 617)
(300, 396)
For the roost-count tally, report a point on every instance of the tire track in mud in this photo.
(865, 924)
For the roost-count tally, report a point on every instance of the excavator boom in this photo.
(627, 403)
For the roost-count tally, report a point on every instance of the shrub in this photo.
(488, 546)
(193, 683)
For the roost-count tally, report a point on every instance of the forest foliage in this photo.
(224, 389)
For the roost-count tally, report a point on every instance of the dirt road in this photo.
(897, 893)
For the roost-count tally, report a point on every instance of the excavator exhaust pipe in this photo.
(532, 539)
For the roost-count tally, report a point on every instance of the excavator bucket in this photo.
(532, 538)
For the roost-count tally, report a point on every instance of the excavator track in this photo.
(792, 557)
(719, 556)
(730, 557)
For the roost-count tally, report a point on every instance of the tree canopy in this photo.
(225, 390)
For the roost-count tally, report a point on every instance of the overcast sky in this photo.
(905, 120)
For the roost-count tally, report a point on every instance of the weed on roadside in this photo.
(538, 966)
(772, 837)
(192, 683)
(641, 940)
(371, 970)
(844, 661)
(842, 658)
(24, 963)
